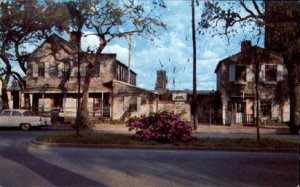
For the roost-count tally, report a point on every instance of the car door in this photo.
(5, 118)
(16, 118)
(30, 118)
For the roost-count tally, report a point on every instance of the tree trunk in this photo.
(84, 113)
(257, 113)
(4, 96)
(292, 76)
(257, 69)
(209, 114)
(281, 112)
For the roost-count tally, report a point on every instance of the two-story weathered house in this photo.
(51, 82)
(236, 85)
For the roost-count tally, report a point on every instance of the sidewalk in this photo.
(215, 131)
(202, 129)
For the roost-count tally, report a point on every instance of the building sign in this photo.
(179, 97)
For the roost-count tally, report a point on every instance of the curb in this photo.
(38, 144)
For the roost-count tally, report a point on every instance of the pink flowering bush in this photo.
(162, 127)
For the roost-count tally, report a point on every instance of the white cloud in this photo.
(210, 54)
(122, 52)
(89, 41)
(174, 51)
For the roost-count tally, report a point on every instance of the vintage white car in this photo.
(24, 119)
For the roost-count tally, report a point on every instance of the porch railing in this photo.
(71, 112)
(240, 118)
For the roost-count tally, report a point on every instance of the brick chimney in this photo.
(246, 44)
(75, 37)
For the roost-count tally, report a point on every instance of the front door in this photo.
(240, 111)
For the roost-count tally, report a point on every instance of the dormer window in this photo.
(41, 69)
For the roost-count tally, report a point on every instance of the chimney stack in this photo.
(246, 44)
(161, 81)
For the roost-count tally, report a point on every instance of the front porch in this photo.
(64, 105)
(240, 110)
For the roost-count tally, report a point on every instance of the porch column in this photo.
(22, 100)
(225, 100)
(30, 100)
(43, 102)
(64, 103)
(10, 100)
(102, 104)
(111, 104)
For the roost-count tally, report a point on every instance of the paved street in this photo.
(21, 165)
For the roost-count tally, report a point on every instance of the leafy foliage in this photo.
(109, 20)
(22, 25)
(222, 18)
(162, 127)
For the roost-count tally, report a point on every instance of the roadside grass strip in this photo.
(121, 139)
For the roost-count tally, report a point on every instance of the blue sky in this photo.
(174, 51)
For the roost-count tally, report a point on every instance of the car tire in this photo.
(25, 126)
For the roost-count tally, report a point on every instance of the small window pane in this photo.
(16, 113)
(231, 106)
(41, 69)
(240, 107)
(28, 113)
(265, 107)
(5, 113)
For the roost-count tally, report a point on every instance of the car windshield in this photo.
(16, 113)
(28, 113)
(5, 113)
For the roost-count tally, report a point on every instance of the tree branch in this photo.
(257, 8)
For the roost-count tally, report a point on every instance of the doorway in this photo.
(240, 112)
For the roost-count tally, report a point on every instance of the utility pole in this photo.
(129, 57)
(194, 101)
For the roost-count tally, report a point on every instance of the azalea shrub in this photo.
(162, 127)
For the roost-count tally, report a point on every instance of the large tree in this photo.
(109, 20)
(283, 36)
(22, 25)
(278, 21)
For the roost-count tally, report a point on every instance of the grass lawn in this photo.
(121, 139)
(94, 138)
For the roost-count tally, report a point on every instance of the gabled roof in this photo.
(52, 38)
(244, 52)
(133, 86)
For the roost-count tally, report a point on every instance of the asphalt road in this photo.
(23, 165)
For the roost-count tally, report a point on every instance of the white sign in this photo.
(179, 97)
